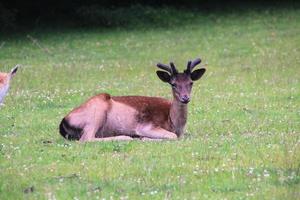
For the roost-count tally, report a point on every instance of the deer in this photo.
(108, 118)
(5, 79)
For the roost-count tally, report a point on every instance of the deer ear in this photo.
(196, 75)
(164, 76)
(14, 70)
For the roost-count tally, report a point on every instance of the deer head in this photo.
(181, 83)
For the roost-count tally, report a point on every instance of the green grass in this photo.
(242, 139)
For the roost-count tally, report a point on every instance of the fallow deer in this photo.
(104, 117)
(5, 79)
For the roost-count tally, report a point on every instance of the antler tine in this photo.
(174, 70)
(164, 67)
(189, 64)
(194, 63)
(188, 67)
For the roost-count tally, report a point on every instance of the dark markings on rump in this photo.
(69, 132)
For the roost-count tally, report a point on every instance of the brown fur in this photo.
(149, 109)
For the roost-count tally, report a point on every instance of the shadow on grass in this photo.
(160, 14)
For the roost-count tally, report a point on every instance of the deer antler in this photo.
(171, 69)
(174, 70)
(191, 65)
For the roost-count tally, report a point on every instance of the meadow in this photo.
(242, 138)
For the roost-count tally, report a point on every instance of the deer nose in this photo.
(185, 99)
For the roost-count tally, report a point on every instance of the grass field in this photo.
(242, 139)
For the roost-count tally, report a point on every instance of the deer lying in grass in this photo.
(5, 79)
(104, 117)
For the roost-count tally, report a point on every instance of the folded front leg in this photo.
(115, 138)
(155, 133)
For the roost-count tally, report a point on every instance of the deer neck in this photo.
(178, 116)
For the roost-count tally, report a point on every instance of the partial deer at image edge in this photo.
(5, 79)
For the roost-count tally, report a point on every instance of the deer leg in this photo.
(90, 130)
(156, 133)
(92, 126)
(88, 134)
(115, 138)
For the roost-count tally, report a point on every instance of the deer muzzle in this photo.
(185, 99)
